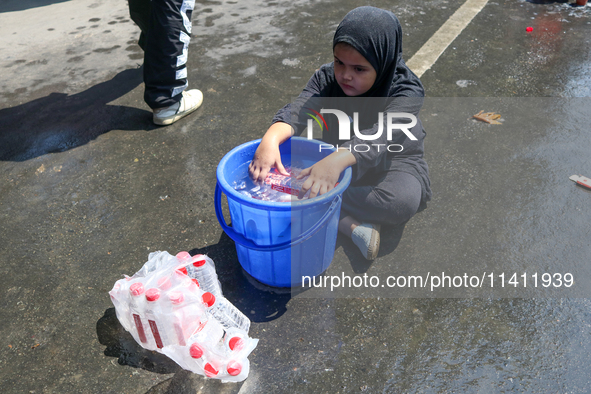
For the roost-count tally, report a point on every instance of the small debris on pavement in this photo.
(581, 181)
(488, 117)
(464, 83)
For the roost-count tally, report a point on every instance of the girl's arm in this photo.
(367, 159)
(267, 154)
(325, 174)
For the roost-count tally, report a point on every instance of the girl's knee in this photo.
(406, 208)
(400, 207)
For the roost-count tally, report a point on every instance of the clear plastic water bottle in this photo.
(183, 256)
(154, 315)
(206, 339)
(181, 321)
(210, 332)
(121, 308)
(181, 278)
(203, 359)
(234, 368)
(239, 185)
(120, 296)
(204, 272)
(185, 259)
(212, 368)
(285, 183)
(183, 271)
(156, 260)
(136, 308)
(225, 313)
(196, 350)
(245, 193)
(187, 316)
(234, 340)
(165, 283)
(184, 282)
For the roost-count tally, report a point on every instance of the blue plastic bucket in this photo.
(280, 242)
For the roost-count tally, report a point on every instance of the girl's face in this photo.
(354, 74)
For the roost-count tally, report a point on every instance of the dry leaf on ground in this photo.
(488, 117)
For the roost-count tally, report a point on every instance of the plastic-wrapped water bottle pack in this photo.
(174, 305)
(276, 187)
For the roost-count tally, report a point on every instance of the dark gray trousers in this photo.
(388, 198)
(166, 31)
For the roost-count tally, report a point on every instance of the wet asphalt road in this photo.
(89, 187)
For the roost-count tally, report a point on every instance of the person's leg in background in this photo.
(139, 11)
(167, 34)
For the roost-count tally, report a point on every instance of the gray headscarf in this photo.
(377, 35)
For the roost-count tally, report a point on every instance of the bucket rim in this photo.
(270, 205)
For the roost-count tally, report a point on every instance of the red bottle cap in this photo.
(236, 344)
(183, 255)
(152, 294)
(136, 289)
(208, 298)
(210, 370)
(164, 283)
(176, 297)
(195, 281)
(195, 351)
(529, 29)
(182, 271)
(234, 368)
(199, 263)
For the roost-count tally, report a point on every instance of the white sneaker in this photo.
(191, 100)
(367, 238)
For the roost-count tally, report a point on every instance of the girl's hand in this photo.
(267, 154)
(324, 175)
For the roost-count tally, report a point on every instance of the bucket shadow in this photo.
(59, 122)
(390, 237)
(259, 302)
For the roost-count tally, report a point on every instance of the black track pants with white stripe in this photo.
(165, 48)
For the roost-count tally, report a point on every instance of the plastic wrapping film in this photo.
(163, 307)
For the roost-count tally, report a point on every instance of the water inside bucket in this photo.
(242, 182)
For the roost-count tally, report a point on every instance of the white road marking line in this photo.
(437, 44)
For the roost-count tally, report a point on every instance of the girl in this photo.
(388, 187)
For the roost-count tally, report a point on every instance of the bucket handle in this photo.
(242, 240)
